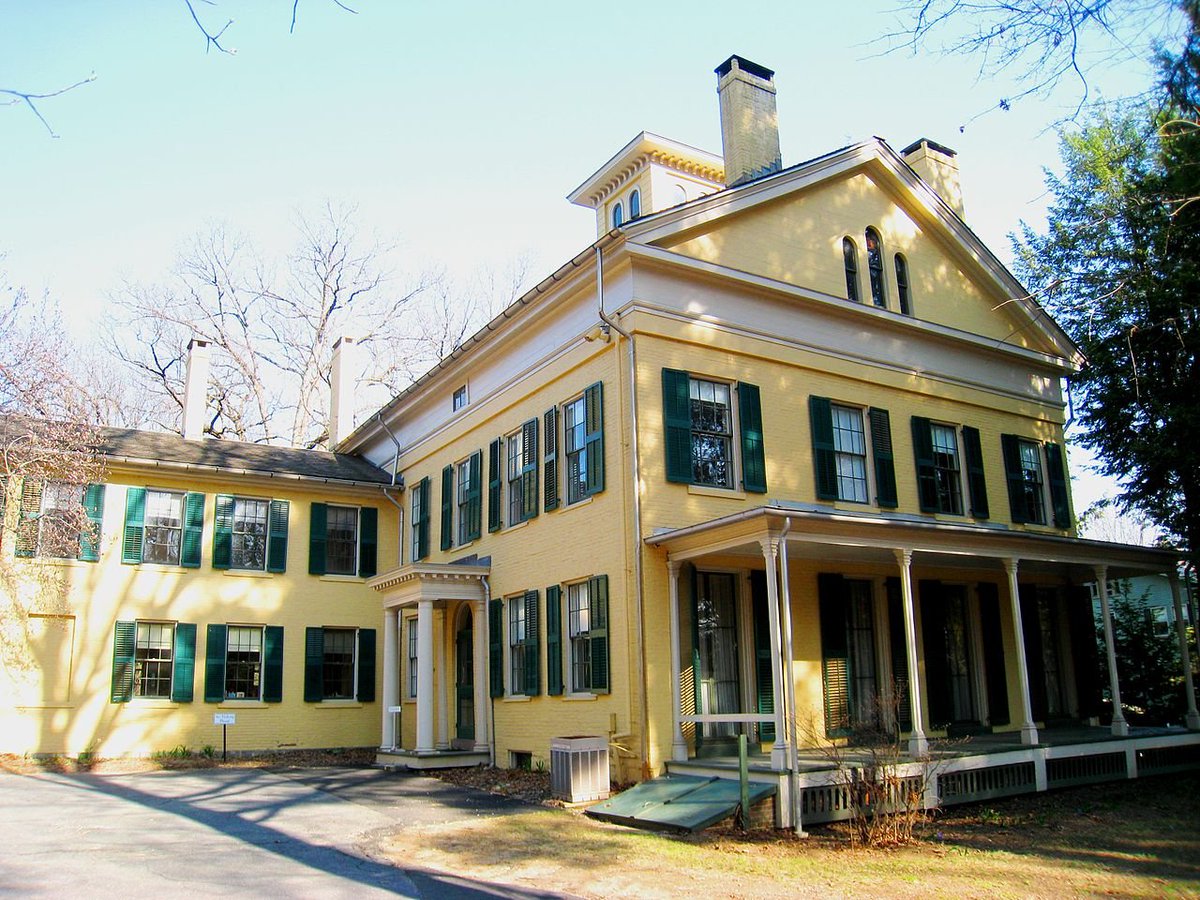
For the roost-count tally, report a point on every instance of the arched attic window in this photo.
(850, 258)
(875, 267)
(635, 204)
(618, 215)
(902, 285)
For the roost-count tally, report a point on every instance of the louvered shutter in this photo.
(423, 520)
(1056, 476)
(764, 681)
(820, 415)
(1081, 624)
(93, 508)
(598, 633)
(533, 681)
(272, 676)
(593, 438)
(495, 515)
(183, 674)
(277, 536)
(976, 482)
(550, 459)
(317, 536)
(193, 530)
(366, 666)
(124, 646)
(835, 652)
(901, 685)
(927, 493)
(677, 426)
(223, 532)
(1031, 630)
(754, 461)
(529, 469)
(368, 541)
(1011, 447)
(554, 655)
(496, 648)
(134, 531)
(28, 516)
(933, 635)
(474, 497)
(314, 665)
(447, 508)
(881, 450)
(993, 653)
(214, 663)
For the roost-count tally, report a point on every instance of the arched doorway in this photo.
(464, 680)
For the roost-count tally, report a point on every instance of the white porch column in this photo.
(425, 676)
(445, 679)
(918, 744)
(779, 750)
(1029, 733)
(481, 694)
(391, 677)
(678, 744)
(1185, 653)
(1120, 727)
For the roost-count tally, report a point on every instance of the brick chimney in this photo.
(938, 168)
(195, 389)
(749, 124)
(343, 374)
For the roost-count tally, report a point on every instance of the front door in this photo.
(464, 682)
(715, 658)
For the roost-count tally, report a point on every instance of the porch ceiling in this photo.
(845, 537)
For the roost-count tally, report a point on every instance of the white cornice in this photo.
(644, 149)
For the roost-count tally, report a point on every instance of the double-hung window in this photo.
(1029, 483)
(249, 537)
(59, 520)
(947, 469)
(698, 418)
(576, 452)
(844, 461)
(153, 661)
(411, 624)
(522, 473)
(578, 629)
(523, 647)
(250, 534)
(941, 463)
(343, 540)
(1032, 503)
(462, 500)
(339, 664)
(162, 527)
(850, 453)
(243, 662)
(58, 524)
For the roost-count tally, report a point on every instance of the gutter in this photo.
(229, 470)
(639, 593)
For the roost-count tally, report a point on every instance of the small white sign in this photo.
(395, 709)
(224, 718)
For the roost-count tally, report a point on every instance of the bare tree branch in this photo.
(29, 99)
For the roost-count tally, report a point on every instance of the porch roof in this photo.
(414, 582)
(848, 536)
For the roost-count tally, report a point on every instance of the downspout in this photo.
(639, 598)
(789, 686)
(396, 456)
(487, 640)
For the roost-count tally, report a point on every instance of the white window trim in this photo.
(357, 538)
(735, 435)
(868, 453)
(266, 536)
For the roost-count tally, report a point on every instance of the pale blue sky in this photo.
(457, 128)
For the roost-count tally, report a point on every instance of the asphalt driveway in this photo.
(228, 832)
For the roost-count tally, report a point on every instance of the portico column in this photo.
(1029, 733)
(1120, 727)
(678, 745)
(444, 678)
(480, 674)
(1185, 653)
(779, 750)
(391, 677)
(425, 676)
(918, 744)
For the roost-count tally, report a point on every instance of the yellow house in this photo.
(779, 455)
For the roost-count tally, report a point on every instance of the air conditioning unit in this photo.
(579, 768)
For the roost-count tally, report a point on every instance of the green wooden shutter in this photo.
(423, 521)
(550, 459)
(475, 496)
(901, 686)
(976, 483)
(1011, 447)
(933, 635)
(28, 515)
(368, 541)
(1081, 624)
(1031, 632)
(529, 469)
(183, 675)
(496, 648)
(447, 508)
(314, 665)
(495, 517)
(1056, 475)
(927, 493)
(993, 653)
(134, 531)
(272, 676)
(214, 663)
(193, 530)
(554, 660)
(277, 536)
(750, 423)
(820, 415)
(593, 438)
(366, 665)
(533, 681)
(93, 508)
(835, 652)
(598, 633)
(124, 645)
(677, 425)
(223, 532)
(885, 463)
(764, 680)
(317, 535)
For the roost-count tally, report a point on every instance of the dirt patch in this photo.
(532, 787)
(183, 759)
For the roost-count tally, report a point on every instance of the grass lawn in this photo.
(1129, 839)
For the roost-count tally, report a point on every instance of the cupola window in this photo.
(850, 257)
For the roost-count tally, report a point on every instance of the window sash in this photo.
(337, 664)
(574, 434)
(947, 468)
(163, 537)
(850, 453)
(248, 538)
(465, 492)
(1032, 480)
(579, 632)
(60, 508)
(412, 657)
(711, 409)
(243, 662)
(154, 660)
(341, 540)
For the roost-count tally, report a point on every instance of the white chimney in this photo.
(195, 389)
(749, 123)
(938, 168)
(343, 374)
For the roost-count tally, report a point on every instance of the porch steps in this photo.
(437, 759)
(678, 803)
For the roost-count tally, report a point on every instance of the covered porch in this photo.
(928, 629)
(436, 712)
